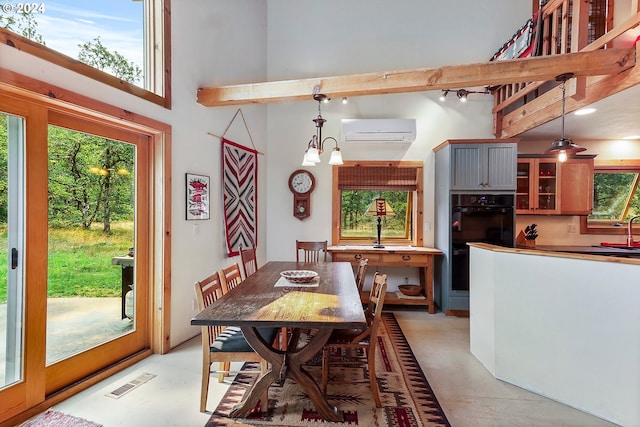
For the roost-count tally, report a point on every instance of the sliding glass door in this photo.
(97, 285)
(91, 242)
(74, 237)
(11, 249)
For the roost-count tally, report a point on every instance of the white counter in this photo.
(566, 327)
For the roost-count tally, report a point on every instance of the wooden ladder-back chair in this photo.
(230, 277)
(360, 273)
(311, 251)
(249, 263)
(223, 344)
(357, 347)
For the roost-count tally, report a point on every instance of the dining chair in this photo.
(249, 262)
(230, 277)
(311, 251)
(223, 344)
(360, 273)
(357, 347)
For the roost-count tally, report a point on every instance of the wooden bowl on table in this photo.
(410, 290)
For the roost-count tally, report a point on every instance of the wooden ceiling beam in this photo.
(548, 106)
(544, 68)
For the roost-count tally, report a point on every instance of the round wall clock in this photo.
(301, 184)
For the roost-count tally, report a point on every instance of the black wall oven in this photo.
(488, 218)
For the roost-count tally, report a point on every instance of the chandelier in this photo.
(315, 147)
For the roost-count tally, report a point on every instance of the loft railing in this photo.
(561, 26)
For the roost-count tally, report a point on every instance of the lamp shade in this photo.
(566, 145)
(313, 156)
(380, 207)
(305, 160)
(336, 157)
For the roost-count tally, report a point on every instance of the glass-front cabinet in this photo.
(537, 186)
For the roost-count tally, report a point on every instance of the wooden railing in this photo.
(562, 26)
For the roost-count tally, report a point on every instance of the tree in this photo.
(90, 177)
(114, 156)
(25, 25)
(98, 56)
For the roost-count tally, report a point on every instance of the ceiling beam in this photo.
(549, 105)
(543, 68)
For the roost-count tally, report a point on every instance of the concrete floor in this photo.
(74, 325)
(469, 395)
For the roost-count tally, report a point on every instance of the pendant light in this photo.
(563, 146)
(315, 147)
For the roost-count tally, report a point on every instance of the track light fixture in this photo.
(462, 94)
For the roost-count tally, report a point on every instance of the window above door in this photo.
(143, 46)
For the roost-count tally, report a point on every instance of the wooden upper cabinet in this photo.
(576, 187)
(548, 187)
(537, 191)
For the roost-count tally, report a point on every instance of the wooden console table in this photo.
(395, 256)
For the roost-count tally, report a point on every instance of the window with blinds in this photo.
(388, 177)
(361, 186)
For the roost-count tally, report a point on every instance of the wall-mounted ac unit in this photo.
(379, 130)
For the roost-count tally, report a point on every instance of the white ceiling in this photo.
(616, 117)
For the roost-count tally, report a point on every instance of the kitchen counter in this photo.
(593, 250)
(595, 253)
(560, 324)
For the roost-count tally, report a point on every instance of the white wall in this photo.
(242, 41)
(314, 39)
(212, 44)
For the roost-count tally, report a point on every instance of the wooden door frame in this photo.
(43, 97)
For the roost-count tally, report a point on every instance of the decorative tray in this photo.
(299, 276)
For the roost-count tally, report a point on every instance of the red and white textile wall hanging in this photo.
(239, 187)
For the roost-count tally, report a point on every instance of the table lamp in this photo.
(379, 207)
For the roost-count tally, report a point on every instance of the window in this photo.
(147, 47)
(616, 198)
(357, 185)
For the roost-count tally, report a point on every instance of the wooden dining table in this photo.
(331, 302)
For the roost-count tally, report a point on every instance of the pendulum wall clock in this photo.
(301, 184)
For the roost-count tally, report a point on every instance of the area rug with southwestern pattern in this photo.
(407, 398)
(58, 419)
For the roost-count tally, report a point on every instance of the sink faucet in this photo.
(630, 241)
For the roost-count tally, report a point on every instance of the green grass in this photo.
(79, 261)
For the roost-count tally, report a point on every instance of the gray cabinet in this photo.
(483, 166)
(473, 167)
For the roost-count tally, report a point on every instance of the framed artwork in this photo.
(197, 196)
